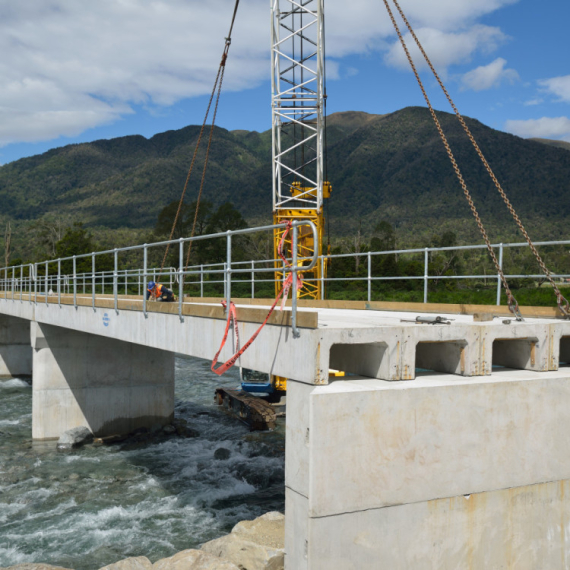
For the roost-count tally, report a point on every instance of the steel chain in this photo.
(512, 302)
(223, 69)
(559, 297)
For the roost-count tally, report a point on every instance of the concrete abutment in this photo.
(110, 386)
(15, 349)
(441, 472)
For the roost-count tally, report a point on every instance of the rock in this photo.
(75, 437)
(110, 439)
(221, 454)
(135, 563)
(194, 560)
(182, 429)
(253, 545)
(169, 429)
(34, 566)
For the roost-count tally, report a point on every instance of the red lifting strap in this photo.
(232, 314)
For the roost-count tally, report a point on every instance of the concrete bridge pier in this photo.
(437, 473)
(110, 386)
(15, 349)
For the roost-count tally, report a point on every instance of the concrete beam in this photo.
(107, 385)
(15, 348)
(383, 470)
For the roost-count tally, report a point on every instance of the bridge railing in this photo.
(40, 278)
(47, 277)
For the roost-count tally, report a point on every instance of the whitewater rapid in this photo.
(90, 507)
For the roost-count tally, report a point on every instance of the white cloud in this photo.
(532, 102)
(488, 76)
(546, 127)
(446, 48)
(559, 86)
(69, 65)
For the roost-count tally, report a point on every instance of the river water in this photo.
(93, 506)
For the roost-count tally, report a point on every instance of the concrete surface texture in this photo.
(88, 380)
(435, 473)
(15, 349)
(376, 344)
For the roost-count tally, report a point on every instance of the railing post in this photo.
(180, 278)
(21, 282)
(74, 282)
(228, 269)
(46, 283)
(36, 283)
(13, 283)
(369, 277)
(116, 280)
(126, 282)
(322, 277)
(499, 275)
(145, 261)
(201, 281)
(59, 282)
(296, 333)
(93, 282)
(426, 268)
(252, 279)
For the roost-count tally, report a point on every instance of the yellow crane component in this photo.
(313, 280)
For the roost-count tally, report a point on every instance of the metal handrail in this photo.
(228, 268)
(17, 282)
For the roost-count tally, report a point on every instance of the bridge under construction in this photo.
(440, 443)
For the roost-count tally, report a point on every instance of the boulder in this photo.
(34, 566)
(221, 454)
(75, 437)
(135, 563)
(253, 545)
(194, 560)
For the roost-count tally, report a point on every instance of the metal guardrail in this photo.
(32, 280)
(200, 275)
(426, 276)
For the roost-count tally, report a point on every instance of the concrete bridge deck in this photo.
(463, 464)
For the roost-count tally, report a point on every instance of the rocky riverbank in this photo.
(252, 545)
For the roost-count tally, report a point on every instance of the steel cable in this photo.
(563, 304)
(512, 302)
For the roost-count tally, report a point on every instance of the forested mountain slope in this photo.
(382, 167)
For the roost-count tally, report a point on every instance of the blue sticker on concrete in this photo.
(106, 319)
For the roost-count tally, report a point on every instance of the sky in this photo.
(75, 71)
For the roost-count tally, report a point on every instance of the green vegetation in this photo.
(393, 188)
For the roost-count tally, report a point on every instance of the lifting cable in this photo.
(512, 302)
(563, 304)
(216, 88)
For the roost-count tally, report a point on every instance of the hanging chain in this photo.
(512, 302)
(218, 87)
(223, 68)
(563, 304)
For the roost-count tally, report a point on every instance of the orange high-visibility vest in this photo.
(158, 290)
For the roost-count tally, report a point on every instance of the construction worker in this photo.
(159, 292)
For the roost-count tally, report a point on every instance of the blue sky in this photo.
(75, 71)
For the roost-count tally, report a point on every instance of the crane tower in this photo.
(298, 146)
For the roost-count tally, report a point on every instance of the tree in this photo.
(185, 220)
(384, 239)
(78, 241)
(47, 232)
(226, 217)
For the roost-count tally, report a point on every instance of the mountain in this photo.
(382, 167)
(559, 144)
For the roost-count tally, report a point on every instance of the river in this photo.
(93, 506)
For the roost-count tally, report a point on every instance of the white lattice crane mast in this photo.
(298, 105)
